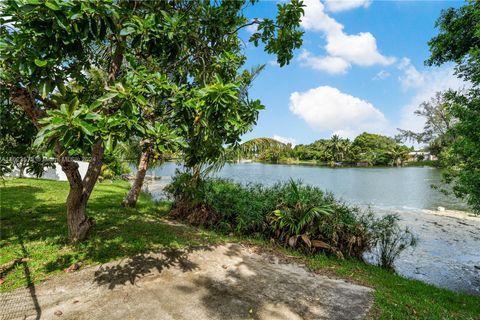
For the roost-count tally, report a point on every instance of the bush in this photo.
(218, 203)
(293, 214)
(391, 240)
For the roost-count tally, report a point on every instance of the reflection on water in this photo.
(395, 188)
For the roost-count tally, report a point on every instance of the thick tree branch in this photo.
(116, 64)
(94, 168)
(24, 99)
(254, 21)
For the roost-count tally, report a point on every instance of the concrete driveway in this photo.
(215, 282)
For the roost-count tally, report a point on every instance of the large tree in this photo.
(215, 70)
(439, 121)
(87, 73)
(458, 41)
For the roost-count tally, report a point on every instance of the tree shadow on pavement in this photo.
(258, 289)
(139, 266)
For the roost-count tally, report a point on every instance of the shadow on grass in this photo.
(36, 209)
(23, 303)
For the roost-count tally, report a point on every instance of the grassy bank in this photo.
(33, 225)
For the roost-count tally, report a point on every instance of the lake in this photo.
(447, 253)
(395, 188)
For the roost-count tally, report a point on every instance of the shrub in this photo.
(223, 204)
(294, 214)
(391, 240)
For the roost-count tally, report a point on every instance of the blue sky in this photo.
(361, 68)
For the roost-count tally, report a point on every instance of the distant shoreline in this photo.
(315, 163)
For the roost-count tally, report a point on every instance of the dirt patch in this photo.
(212, 282)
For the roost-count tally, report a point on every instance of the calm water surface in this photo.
(447, 253)
(396, 188)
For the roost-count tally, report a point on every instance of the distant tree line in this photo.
(367, 149)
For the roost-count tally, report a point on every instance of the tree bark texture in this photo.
(132, 196)
(79, 224)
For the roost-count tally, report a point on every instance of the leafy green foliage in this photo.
(458, 42)
(16, 136)
(95, 73)
(293, 214)
(462, 158)
(217, 115)
(438, 121)
(368, 148)
(297, 212)
(266, 149)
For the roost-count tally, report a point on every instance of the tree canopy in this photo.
(458, 41)
(91, 74)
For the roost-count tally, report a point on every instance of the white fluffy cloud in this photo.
(343, 49)
(359, 48)
(343, 5)
(285, 140)
(411, 77)
(327, 109)
(316, 19)
(332, 65)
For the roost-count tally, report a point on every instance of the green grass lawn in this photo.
(33, 226)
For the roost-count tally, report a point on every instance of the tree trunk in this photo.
(21, 170)
(132, 196)
(79, 224)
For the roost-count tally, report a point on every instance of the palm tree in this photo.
(338, 147)
(256, 147)
(398, 155)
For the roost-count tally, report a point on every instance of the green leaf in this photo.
(141, 99)
(45, 89)
(108, 96)
(127, 31)
(61, 87)
(52, 5)
(109, 143)
(87, 128)
(95, 105)
(3, 44)
(41, 63)
(73, 105)
(75, 16)
(93, 116)
(39, 140)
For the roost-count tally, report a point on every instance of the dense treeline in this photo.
(367, 149)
